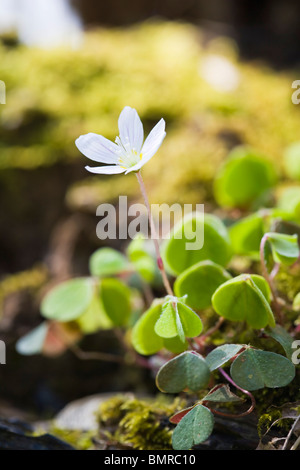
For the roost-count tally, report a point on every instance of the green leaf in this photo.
(245, 298)
(69, 300)
(33, 342)
(246, 235)
(144, 338)
(94, 318)
(178, 257)
(289, 201)
(283, 338)
(291, 159)
(108, 262)
(142, 258)
(296, 302)
(285, 248)
(199, 282)
(177, 319)
(187, 370)
(177, 417)
(254, 369)
(244, 177)
(194, 428)
(115, 297)
(222, 354)
(221, 394)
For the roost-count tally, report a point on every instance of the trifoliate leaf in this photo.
(144, 338)
(187, 370)
(199, 282)
(285, 248)
(244, 177)
(108, 262)
(68, 300)
(194, 428)
(177, 319)
(221, 394)
(221, 355)
(254, 369)
(283, 338)
(244, 298)
(181, 251)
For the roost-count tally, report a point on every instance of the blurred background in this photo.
(219, 73)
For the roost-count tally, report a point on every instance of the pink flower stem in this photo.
(154, 236)
(246, 392)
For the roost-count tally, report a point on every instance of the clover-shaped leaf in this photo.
(254, 369)
(94, 317)
(296, 302)
(187, 370)
(199, 282)
(195, 427)
(140, 255)
(177, 319)
(221, 394)
(246, 234)
(221, 355)
(244, 177)
(68, 300)
(182, 251)
(282, 337)
(291, 160)
(285, 248)
(33, 342)
(246, 297)
(144, 338)
(108, 262)
(115, 297)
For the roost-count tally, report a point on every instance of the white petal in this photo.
(151, 145)
(97, 148)
(106, 170)
(131, 128)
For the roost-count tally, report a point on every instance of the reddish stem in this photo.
(154, 236)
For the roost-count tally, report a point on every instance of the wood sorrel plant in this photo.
(204, 280)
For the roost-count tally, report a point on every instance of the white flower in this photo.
(128, 153)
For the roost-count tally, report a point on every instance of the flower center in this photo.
(127, 156)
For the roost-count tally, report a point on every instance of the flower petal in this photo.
(131, 128)
(97, 148)
(151, 145)
(106, 170)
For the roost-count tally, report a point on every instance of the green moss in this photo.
(141, 424)
(78, 439)
(266, 420)
(288, 282)
(268, 397)
(30, 279)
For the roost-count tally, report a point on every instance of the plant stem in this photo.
(154, 236)
(200, 340)
(268, 278)
(246, 392)
(95, 355)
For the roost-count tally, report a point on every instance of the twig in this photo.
(290, 434)
(95, 355)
